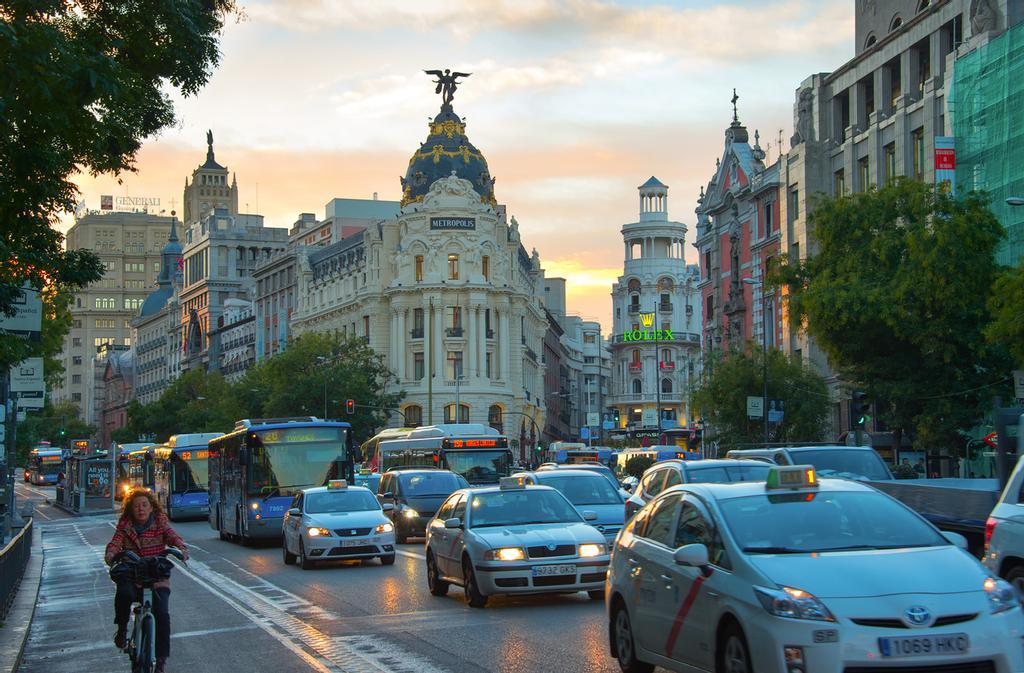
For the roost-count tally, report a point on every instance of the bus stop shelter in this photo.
(88, 486)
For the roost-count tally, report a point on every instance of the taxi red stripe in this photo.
(684, 609)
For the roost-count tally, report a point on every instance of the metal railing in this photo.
(13, 559)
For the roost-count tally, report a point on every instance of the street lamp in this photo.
(764, 352)
(1015, 200)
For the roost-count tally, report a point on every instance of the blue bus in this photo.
(44, 464)
(258, 469)
(123, 478)
(140, 468)
(181, 475)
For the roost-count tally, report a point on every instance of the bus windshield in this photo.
(287, 460)
(479, 467)
(191, 471)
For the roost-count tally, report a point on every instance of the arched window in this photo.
(896, 23)
(413, 416)
(494, 417)
(636, 357)
(665, 284)
(666, 386)
(638, 387)
(449, 413)
(633, 285)
(870, 42)
(634, 302)
(923, 5)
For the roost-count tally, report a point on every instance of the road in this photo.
(236, 608)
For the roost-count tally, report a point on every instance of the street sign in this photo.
(593, 419)
(584, 432)
(755, 407)
(27, 376)
(608, 425)
(992, 439)
(27, 320)
(33, 400)
(1018, 384)
(649, 417)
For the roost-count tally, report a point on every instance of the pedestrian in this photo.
(144, 529)
(919, 466)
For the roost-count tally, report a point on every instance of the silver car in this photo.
(514, 539)
(1004, 532)
(587, 491)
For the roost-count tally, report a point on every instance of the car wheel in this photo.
(304, 561)
(289, 558)
(437, 586)
(733, 654)
(596, 594)
(388, 560)
(625, 646)
(474, 598)
(1016, 578)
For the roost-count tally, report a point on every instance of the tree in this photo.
(1007, 308)
(57, 424)
(82, 84)
(637, 465)
(196, 401)
(722, 398)
(895, 295)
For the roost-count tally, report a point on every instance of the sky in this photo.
(574, 104)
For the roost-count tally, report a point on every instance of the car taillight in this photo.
(990, 527)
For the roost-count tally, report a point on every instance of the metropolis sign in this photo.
(452, 223)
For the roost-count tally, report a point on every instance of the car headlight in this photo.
(1001, 595)
(410, 513)
(793, 603)
(385, 527)
(316, 531)
(588, 550)
(505, 554)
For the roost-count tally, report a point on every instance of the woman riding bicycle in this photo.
(144, 529)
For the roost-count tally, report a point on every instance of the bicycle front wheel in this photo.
(145, 659)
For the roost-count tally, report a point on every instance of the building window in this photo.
(133, 303)
(98, 342)
(635, 361)
(889, 152)
(638, 387)
(417, 366)
(127, 341)
(769, 211)
(366, 326)
(76, 378)
(863, 174)
(710, 308)
(794, 205)
(896, 23)
(453, 267)
(134, 284)
(419, 268)
(77, 397)
(104, 323)
(487, 364)
(76, 342)
(76, 360)
(494, 417)
(485, 267)
(417, 323)
(109, 303)
(454, 365)
(589, 338)
(77, 324)
(917, 139)
(839, 183)
(449, 413)
(666, 386)
(413, 416)
(455, 319)
(134, 267)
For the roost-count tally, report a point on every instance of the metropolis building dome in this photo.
(447, 151)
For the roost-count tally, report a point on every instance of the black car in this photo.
(416, 495)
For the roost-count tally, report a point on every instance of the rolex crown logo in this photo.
(647, 319)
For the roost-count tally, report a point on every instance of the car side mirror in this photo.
(387, 507)
(589, 516)
(454, 522)
(692, 555)
(387, 496)
(295, 511)
(955, 538)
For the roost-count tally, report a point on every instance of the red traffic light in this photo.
(350, 406)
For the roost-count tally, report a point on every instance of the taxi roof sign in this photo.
(336, 484)
(791, 477)
(507, 483)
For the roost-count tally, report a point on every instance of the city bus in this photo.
(123, 478)
(44, 464)
(140, 468)
(591, 454)
(478, 453)
(656, 452)
(369, 451)
(256, 471)
(181, 475)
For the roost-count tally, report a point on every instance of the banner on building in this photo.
(945, 164)
(107, 202)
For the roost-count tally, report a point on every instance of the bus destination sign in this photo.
(296, 435)
(201, 454)
(450, 223)
(477, 443)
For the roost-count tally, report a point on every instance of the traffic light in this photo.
(859, 408)
(350, 406)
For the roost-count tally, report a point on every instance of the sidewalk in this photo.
(15, 629)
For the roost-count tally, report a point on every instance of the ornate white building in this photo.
(446, 291)
(657, 323)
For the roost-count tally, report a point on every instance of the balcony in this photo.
(635, 366)
(453, 331)
(667, 366)
(530, 354)
(416, 333)
(665, 307)
(633, 309)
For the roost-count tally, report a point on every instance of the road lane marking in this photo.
(36, 491)
(81, 649)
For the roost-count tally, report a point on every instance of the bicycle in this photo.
(141, 644)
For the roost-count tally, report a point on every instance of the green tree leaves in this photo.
(1007, 308)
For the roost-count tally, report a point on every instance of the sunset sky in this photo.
(574, 104)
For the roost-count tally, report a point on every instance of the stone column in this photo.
(403, 351)
(469, 324)
(506, 337)
(481, 353)
(439, 361)
(883, 86)
(393, 341)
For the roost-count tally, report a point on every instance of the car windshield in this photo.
(601, 470)
(583, 489)
(724, 474)
(819, 522)
(518, 507)
(329, 502)
(422, 484)
(845, 463)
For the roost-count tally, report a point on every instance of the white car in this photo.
(1004, 532)
(337, 522)
(802, 576)
(588, 492)
(513, 539)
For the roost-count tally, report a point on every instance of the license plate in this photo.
(567, 569)
(923, 646)
(353, 543)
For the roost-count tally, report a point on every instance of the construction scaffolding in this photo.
(986, 106)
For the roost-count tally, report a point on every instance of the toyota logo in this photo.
(353, 531)
(551, 547)
(918, 616)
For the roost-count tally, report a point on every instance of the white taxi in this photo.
(337, 522)
(514, 539)
(802, 576)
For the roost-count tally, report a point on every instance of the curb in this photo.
(14, 633)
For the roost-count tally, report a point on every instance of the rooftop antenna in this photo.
(780, 143)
